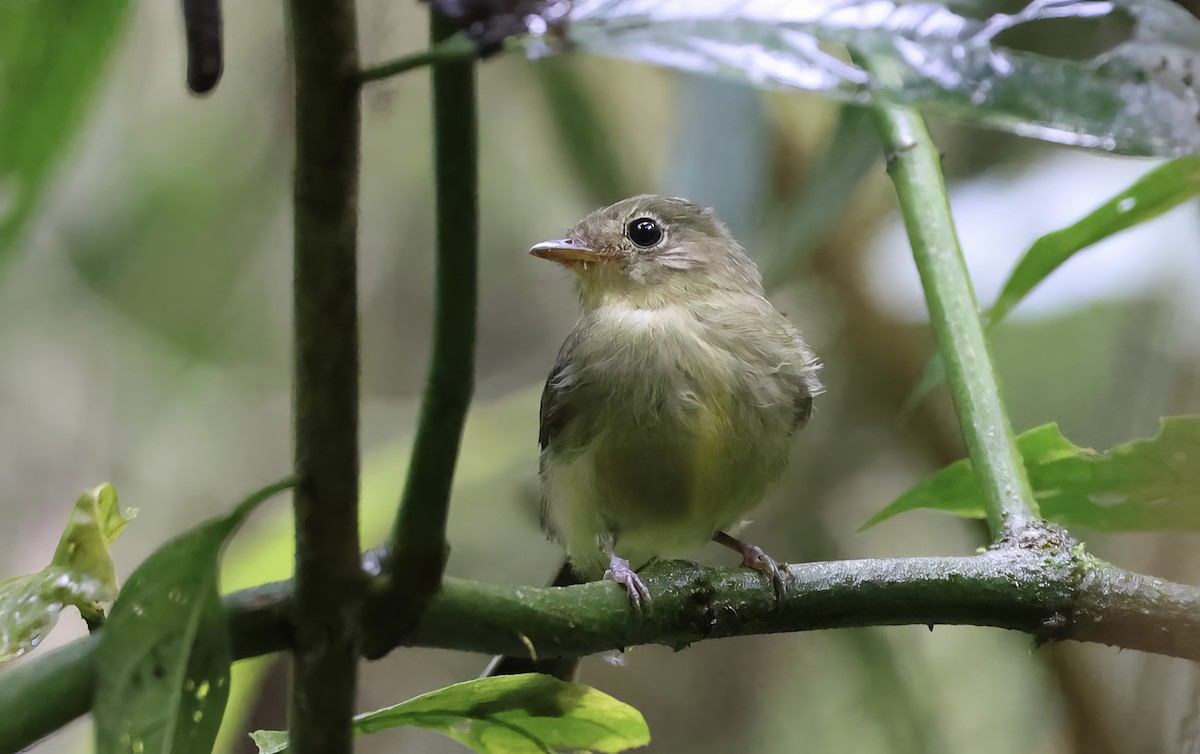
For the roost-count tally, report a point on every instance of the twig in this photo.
(329, 581)
(413, 572)
(915, 168)
(456, 49)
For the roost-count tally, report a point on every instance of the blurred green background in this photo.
(146, 334)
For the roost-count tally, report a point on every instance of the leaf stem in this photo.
(330, 583)
(418, 545)
(914, 165)
(455, 49)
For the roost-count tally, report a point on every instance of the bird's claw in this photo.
(620, 571)
(755, 559)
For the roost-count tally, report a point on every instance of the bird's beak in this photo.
(566, 252)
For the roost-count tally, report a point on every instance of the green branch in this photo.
(1044, 587)
(456, 49)
(417, 559)
(915, 168)
(329, 581)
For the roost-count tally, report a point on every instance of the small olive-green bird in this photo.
(672, 404)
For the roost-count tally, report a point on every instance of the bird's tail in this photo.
(563, 668)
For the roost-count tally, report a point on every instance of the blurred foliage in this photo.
(81, 574)
(58, 47)
(1142, 485)
(516, 714)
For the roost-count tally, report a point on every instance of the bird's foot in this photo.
(755, 559)
(620, 571)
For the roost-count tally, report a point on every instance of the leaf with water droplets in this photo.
(1115, 76)
(1142, 485)
(162, 666)
(81, 574)
(529, 713)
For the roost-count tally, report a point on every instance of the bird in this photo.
(672, 404)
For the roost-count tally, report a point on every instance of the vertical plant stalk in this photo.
(330, 583)
(418, 547)
(914, 165)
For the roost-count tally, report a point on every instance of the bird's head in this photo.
(652, 251)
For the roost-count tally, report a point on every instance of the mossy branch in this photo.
(1041, 584)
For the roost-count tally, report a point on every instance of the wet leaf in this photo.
(1116, 76)
(512, 714)
(81, 574)
(1142, 485)
(52, 53)
(164, 655)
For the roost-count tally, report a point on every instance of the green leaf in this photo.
(511, 714)
(52, 53)
(1142, 485)
(1159, 190)
(1156, 192)
(163, 661)
(81, 574)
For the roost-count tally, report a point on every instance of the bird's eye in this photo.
(644, 232)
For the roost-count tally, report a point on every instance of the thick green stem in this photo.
(1044, 588)
(418, 547)
(915, 168)
(39, 697)
(330, 583)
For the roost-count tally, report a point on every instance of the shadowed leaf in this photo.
(163, 661)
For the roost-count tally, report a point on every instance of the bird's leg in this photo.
(621, 572)
(756, 560)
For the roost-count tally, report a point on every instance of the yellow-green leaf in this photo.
(81, 574)
(514, 714)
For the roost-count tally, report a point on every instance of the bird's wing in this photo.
(803, 376)
(803, 407)
(554, 415)
(554, 412)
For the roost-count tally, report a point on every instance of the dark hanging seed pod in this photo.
(205, 53)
